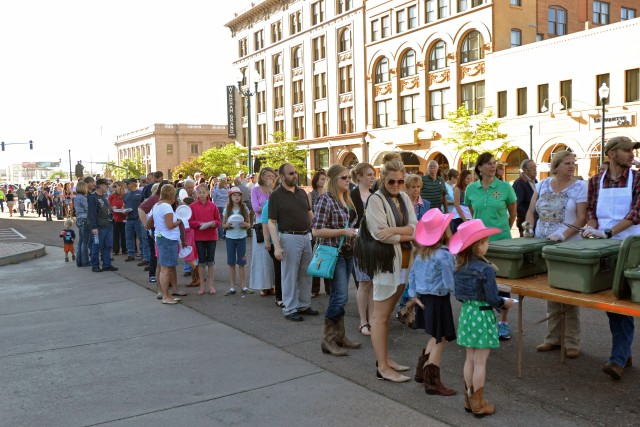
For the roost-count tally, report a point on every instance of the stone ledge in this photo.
(14, 253)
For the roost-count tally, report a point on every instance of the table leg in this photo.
(563, 311)
(520, 330)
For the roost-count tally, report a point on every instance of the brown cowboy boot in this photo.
(341, 338)
(195, 278)
(479, 406)
(467, 392)
(422, 361)
(329, 345)
(432, 384)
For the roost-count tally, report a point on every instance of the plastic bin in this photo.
(516, 258)
(586, 265)
(633, 279)
(628, 258)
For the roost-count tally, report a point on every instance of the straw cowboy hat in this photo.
(431, 226)
(468, 233)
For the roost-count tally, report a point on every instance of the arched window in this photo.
(438, 56)
(297, 57)
(408, 64)
(277, 64)
(345, 40)
(382, 71)
(557, 20)
(472, 47)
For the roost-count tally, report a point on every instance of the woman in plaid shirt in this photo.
(334, 217)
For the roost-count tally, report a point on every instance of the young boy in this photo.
(68, 237)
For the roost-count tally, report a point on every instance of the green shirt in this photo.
(433, 190)
(490, 205)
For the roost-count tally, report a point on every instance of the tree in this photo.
(58, 174)
(129, 168)
(284, 150)
(189, 167)
(473, 134)
(229, 159)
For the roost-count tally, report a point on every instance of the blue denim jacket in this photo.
(476, 280)
(432, 276)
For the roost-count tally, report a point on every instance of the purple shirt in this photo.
(258, 199)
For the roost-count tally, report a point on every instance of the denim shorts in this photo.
(206, 251)
(237, 251)
(167, 251)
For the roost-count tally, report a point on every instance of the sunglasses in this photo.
(344, 178)
(395, 181)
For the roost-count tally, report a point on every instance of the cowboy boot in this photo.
(195, 278)
(427, 379)
(436, 386)
(479, 406)
(329, 345)
(422, 361)
(467, 392)
(341, 338)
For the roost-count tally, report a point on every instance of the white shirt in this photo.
(159, 211)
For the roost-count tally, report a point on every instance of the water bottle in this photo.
(96, 239)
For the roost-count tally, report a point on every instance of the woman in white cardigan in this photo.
(391, 220)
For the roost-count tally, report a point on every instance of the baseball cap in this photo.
(621, 142)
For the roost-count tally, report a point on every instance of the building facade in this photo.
(162, 147)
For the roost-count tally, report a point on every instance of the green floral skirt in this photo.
(477, 328)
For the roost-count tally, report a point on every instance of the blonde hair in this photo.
(168, 192)
(411, 179)
(81, 188)
(68, 223)
(120, 191)
(360, 170)
(333, 175)
(474, 249)
(558, 158)
(391, 162)
(427, 252)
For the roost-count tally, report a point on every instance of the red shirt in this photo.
(116, 202)
(202, 213)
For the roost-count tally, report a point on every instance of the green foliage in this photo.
(284, 150)
(229, 159)
(129, 168)
(58, 174)
(189, 167)
(472, 134)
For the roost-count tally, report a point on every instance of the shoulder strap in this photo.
(346, 226)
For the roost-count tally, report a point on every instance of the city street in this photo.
(82, 348)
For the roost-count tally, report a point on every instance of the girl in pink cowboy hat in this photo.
(430, 284)
(476, 288)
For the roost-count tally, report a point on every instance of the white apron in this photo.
(613, 206)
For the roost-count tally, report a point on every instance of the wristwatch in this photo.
(608, 233)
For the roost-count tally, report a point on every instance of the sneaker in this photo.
(295, 317)
(504, 331)
(142, 263)
(152, 279)
(96, 270)
(246, 291)
(309, 312)
(66, 260)
(230, 292)
(129, 259)
(613, 370)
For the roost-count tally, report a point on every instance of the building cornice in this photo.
(258, 11)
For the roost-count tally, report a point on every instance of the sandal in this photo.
(200, 291)
(365, 330)
(168, 301)
(212, 291)
(280, 304)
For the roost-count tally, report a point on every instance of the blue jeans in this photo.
(133, 228)
(237, 251)
(339, 288)
(82, 249)
(103, 247)
(622, 329)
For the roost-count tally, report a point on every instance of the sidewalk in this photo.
(89, 349)
(13, 253)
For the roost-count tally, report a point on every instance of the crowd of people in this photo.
(408, 241)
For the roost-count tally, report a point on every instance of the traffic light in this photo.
(2, 145)
(30, 145)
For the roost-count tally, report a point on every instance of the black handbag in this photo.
(372, 256)
(259, 234)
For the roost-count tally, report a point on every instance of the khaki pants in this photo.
(571, 325)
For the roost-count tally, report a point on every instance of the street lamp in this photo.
(248, 94)
(603, 92)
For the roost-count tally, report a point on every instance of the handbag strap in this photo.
(342, 237)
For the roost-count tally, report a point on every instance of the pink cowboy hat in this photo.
(468, 233)
(431, 226)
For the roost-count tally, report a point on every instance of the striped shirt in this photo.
(433, 190)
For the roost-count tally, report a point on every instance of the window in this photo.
(539, 37)
(410, 107)
(516, 38)
(295, 22)
(261, 102)
(194, 148)
(278, 97)
(386, 27)
(522, 101)
(473, 96)
(260, 69)
(600, 12)
(321, 127)
(430, 10)
(298, 127)
(543, 98)
(345, 40)
(515, 2)
(443, 8)
(317, 12)
(242, 47)
(277, 63)
(276, 31)
(319, 49)
(258, 40)
(321, 157)
(475, 3)
(502, 104)
(600, 79)
(462, 5)
(626, 13)
(262, 134)
(346, 120)
(632, 85)
(401, 21)
(320, 86)
(344, 5)
(557, 21)
(278, 126)
(346, 79)
(413, 17)
(243, 71)
(439, 104)
(438, 56)
(297, 57)
(375, 30)
(382, 71)
(566, 92)
(169, 148)
(472, 47)
(383, 108)
(298, 92)
(408, 64)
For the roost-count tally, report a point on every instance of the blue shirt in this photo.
(476, 281)
(264, 218)
(432, 276)
(132, 200)
(234, 233)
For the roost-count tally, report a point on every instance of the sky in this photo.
(74, 74)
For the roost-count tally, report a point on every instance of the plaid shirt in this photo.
(594, 186)
(330, 214)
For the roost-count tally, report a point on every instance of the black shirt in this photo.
(290, 209)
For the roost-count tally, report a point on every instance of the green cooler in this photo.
(633, 279)
(586, 265)
(516, 258)
(628, 258)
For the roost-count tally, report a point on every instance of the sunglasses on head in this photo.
(394, 181)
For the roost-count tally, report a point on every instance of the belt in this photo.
(295, 232)
(485, 307)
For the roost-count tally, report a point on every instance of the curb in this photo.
(24, 252)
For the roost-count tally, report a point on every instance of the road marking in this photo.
(10, 233)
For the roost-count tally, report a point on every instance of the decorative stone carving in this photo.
(410, 83)
(473, 69)
(392, 71)
(298, 108)
(279, 112)
(420, 65)
(345, 56)
(439, 76)
(383, 89)
(244, 120)
(348, 97)
(278, 78)
(298, 71)
(488, 46)
(451, 57)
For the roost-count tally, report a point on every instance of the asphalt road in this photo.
(575, 392)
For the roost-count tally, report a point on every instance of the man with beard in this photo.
(291, 215)
(613, 212)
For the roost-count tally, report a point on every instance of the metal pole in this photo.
(603, 124)
(531, 142)
(70, 176)
(248, 94)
